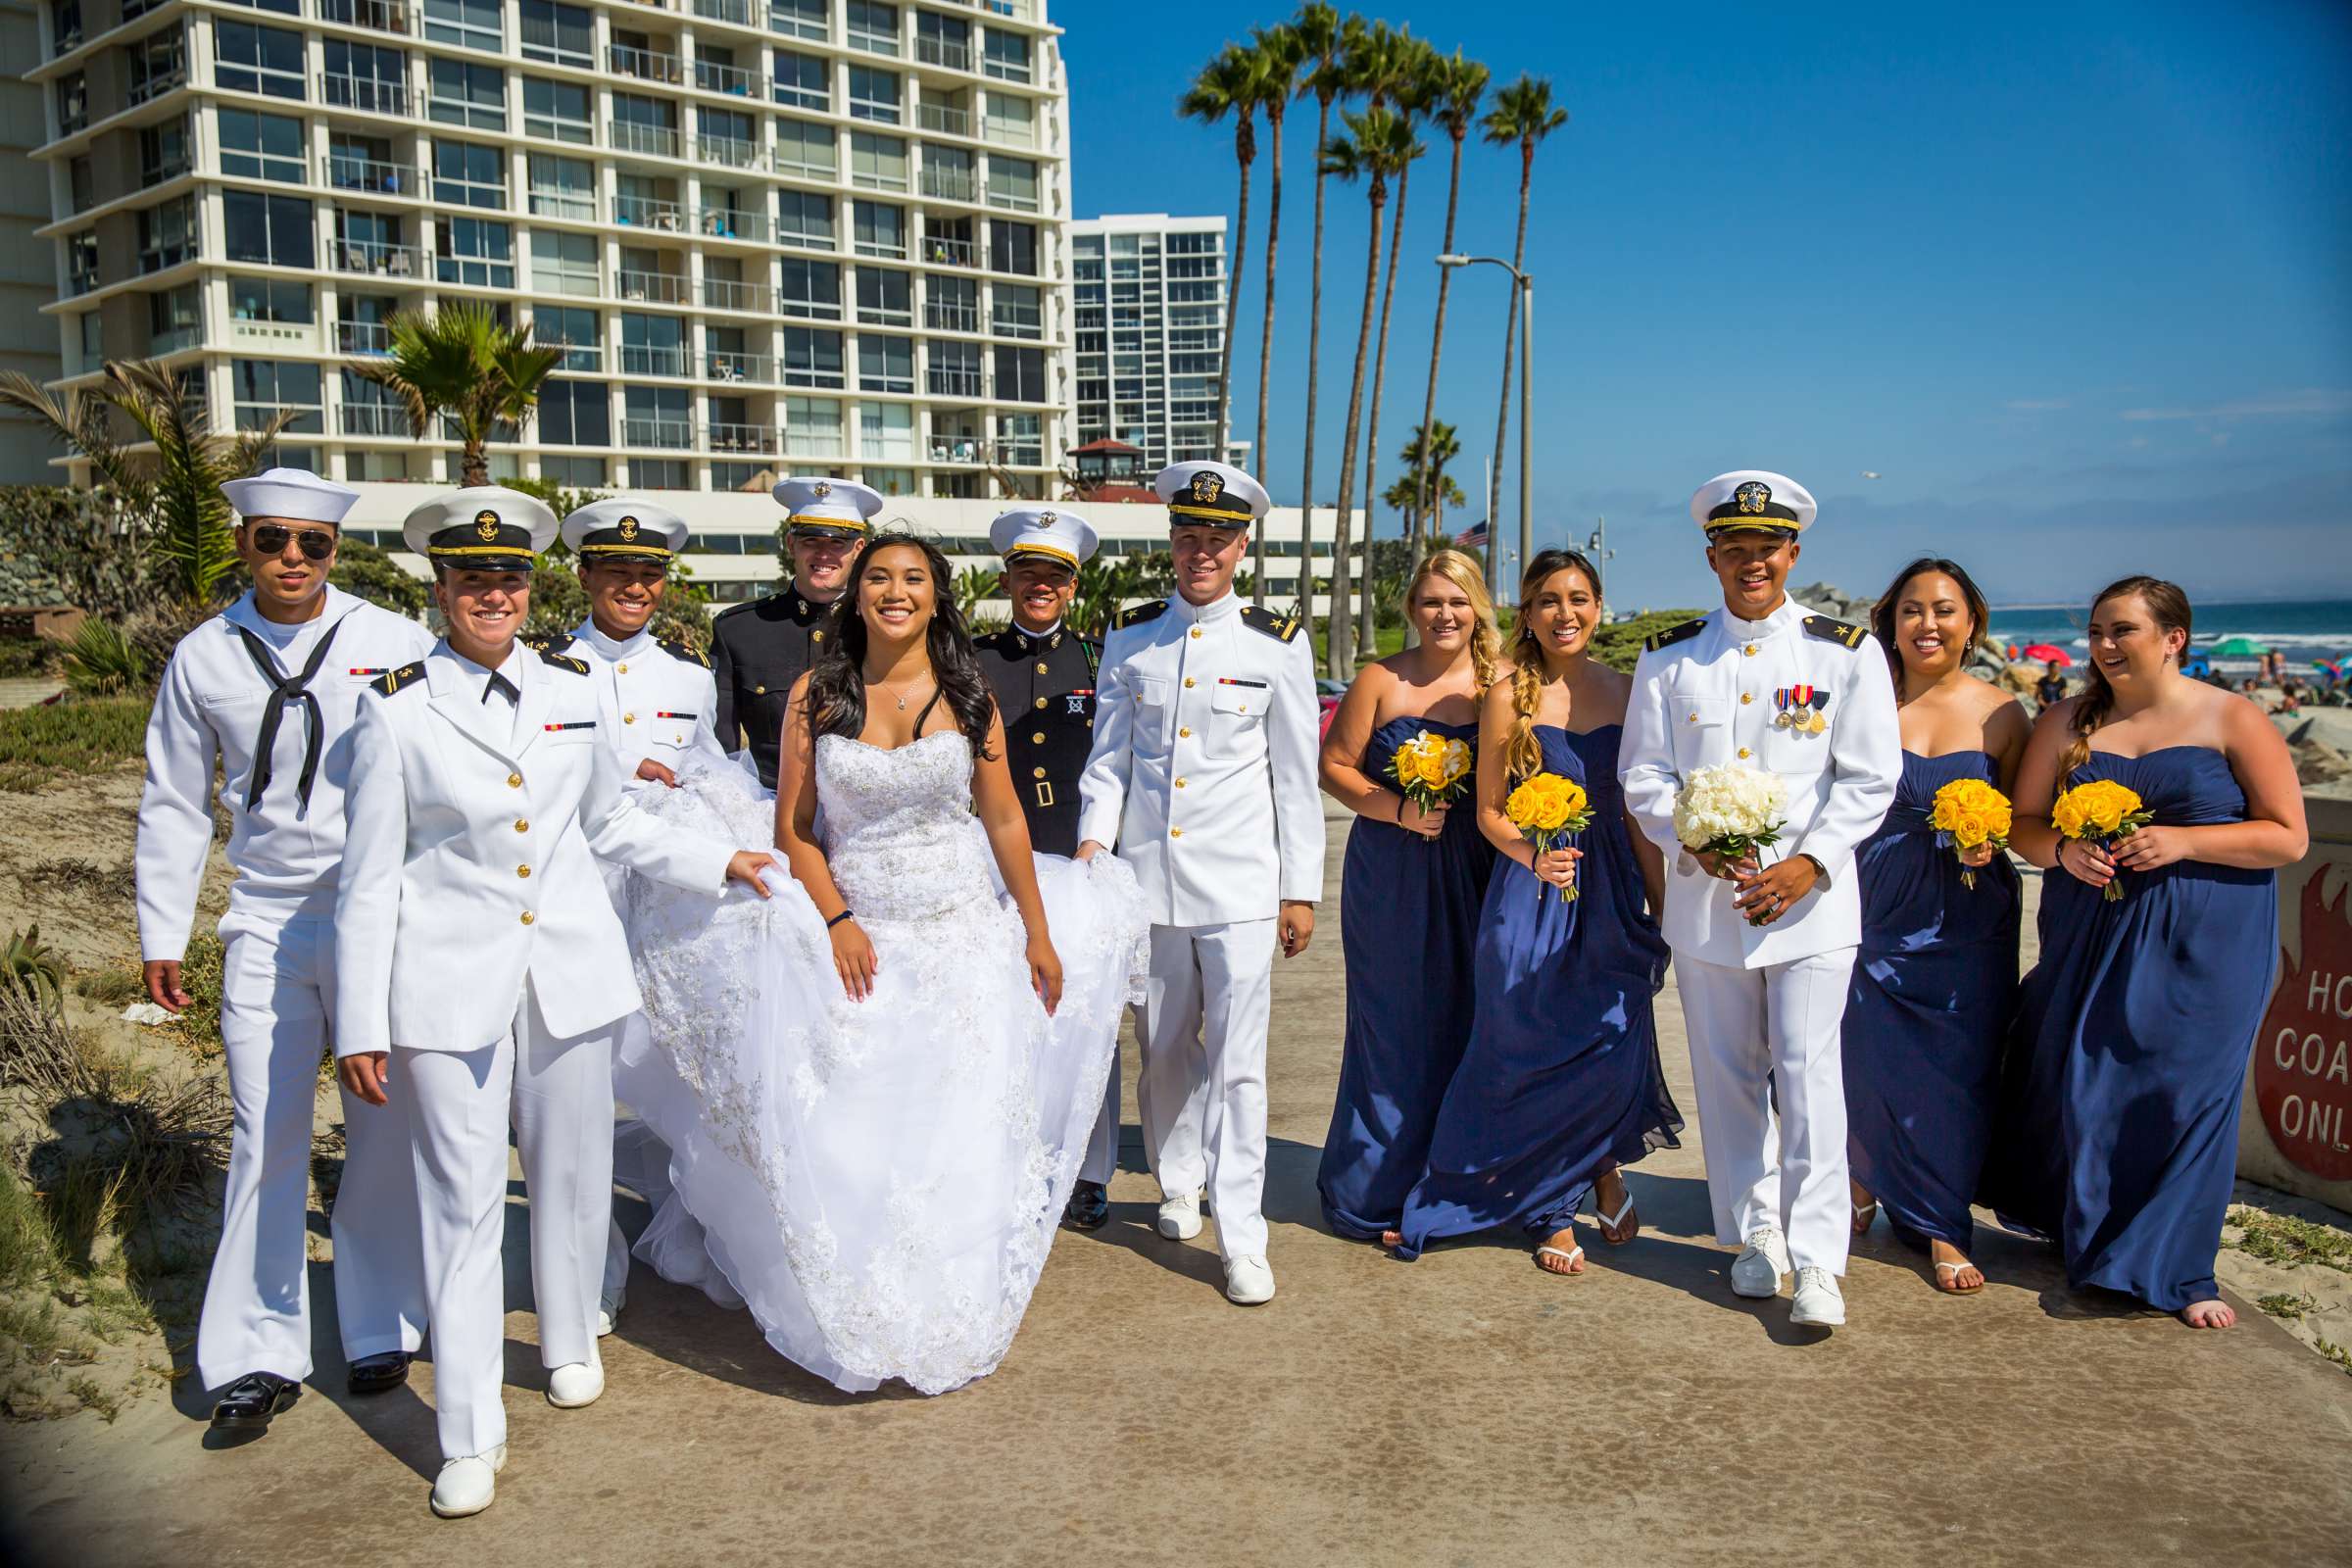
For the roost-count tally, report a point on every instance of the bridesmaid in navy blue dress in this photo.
(1409, 892)
(1559, 1086)
(1937, 974)
(2118, 1121)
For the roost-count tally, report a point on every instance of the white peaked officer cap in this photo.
(829, 508)
(626, 528)
(1046, 531)
(1753, 498)
(295, 494)
(482, 527)
(1216, 493)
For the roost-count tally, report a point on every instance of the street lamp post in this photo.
(1526, 286)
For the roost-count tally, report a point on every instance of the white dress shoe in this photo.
(1819, 1304)
(574, 1385)
(469, 1485)
(1249, 1282)
(1762, 1265)
(608, 1313)
(1180, 1217)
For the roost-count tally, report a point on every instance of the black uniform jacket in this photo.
(1044, 688)
(756, 652)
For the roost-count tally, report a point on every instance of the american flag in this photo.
(1473, 537)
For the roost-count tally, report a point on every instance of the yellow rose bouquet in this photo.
(2102, 813)
(1969, 813)
(1431, 770)
(1550, 810)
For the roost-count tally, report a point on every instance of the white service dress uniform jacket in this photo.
(1202, 776)
(479, 948)
(1764, 1004)
(277, 974)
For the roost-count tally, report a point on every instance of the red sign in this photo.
(2303, 1056)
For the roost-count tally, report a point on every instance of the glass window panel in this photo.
(247, 58)
(805, 149)
(555, 109)
(802, 80)
(472, 23)
(1008, 56)
(885, 364)
(809, 288)
(260, 146)
(811, 357)
(561, 34)
(804, 218)
(464, 93)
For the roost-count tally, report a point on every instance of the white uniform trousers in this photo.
(1202, 1086)
(277, 979)
(1103, 1149)
(1761, 1037)
(557, 1092)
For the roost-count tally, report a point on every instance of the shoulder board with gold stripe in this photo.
(1282, 628)
(410, 673)
(1674, 634)
(1141, 613)
(679, 649)
(1844, 633)
(578, 667)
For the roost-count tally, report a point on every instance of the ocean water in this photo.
(2303, 629)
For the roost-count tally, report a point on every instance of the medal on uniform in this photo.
(1818, 723)
(1780, 700)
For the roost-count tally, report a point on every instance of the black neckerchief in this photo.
(284, 688)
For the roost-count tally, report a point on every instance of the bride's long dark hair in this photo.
(837, 675)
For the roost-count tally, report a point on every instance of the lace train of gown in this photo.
(878, 1182)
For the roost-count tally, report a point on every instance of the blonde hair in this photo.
(1486, 640)
(1523, 753)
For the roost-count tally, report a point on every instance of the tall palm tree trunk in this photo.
(1233, 287)
(1266, 339)
(1343, 625)
(1367, 627)
(1429, 508)
(1314, 355)
(1511, 344)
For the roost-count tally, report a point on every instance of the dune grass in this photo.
(44, 746)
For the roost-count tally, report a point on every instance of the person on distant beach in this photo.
(2050, 690)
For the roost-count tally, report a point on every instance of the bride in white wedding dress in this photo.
(877, 1086)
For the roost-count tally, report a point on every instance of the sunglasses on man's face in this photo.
(269, 538)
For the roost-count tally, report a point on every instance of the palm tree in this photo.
(1281, 53)
(1425, 457)
(1321, 37)
(169, 498)
(1379, 145)
(462, 363)
(1522, 114)
(1464, 84)
(1232, 84)
(1406, 74)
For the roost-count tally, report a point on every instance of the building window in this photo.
(266, 387)
(804, 219)
(572, 328)
(1012, 121)
(167, 235)
(370, 408)
(564, 264)
(466, 174)
(811, 357)
(1021, 376)
(943, 40)
(90, 327)
(812, 427)
(578, 474)
(464, 93)
(576, 414)
(65, 27)
(159, 62)
(952, 304)
(269, 299)
(873, 94)
(475, 251)
(802, 80)
(885, 297)
(657, 416)
(877, 163)
(954, 371)
(162, 152)
(1006, 56)
(81, 262)
(72, 104)
(272, 230)
(652, 345)
(174, 321)
(660, 473)
(805, 149)
(251, 58)
(800, 19)
(260, 146)
(469, 24)
(1017, 312)
(1012, 182)
(558, 111)
(876, 229)
(562, 187)
(885, 364)
(1021, 438)
(360, 76)
(809, 288)
(948, 174)
(645, 124)
(728, 138)
(1012, 248)
(560, 35)
(873, 28)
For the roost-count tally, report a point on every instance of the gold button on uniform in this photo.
(1743, 752)
(522, 871)
(1041, 702)
(1749, 650)
(628, 718)
(1037, 772)
(1175, 832)
(1188, 680)
(1746, 697)
(514, 781)
(527, 917)
(759, 691)
(1693, 718)
(1184, 734)
(522, 825)
(1041, 666)
(1195, 631)
(624, 669)
(1037, 737)
(1180, 783)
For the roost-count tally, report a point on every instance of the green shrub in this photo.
(58, 741)
(363, 570)
(103, 661)
(27, 657)
(1618, 644)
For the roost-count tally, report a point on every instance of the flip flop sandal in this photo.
(1610, 1222)
(1865, 1217)
(1568, 1259)
(1955, 1288)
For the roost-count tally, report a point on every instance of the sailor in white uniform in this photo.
(268, 689)
(1763, 963)
(655, 696)
(1203, 774)
(482, 967)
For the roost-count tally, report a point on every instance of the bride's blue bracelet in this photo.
(845, 915)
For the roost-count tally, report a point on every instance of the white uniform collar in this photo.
(593, 635)
(459, 674)
(1787, 616)
(1203, 614)
(244, 613)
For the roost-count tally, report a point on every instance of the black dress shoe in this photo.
(1089, 1208)
(253, 1401)
(374, 1374)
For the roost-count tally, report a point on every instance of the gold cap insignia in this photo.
(1044, 519)
(822, 489)
(485, 523)
(628, 528)
(1754, 497)
(1206, 486)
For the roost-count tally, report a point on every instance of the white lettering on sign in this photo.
(2326, 993)
(2313, 1122)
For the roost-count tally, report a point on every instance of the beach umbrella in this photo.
(2046, 652)
(2237, 648)
(2329, 666)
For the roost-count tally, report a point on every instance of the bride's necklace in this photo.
(897, 696)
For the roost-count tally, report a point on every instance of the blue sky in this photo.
(2076, 280)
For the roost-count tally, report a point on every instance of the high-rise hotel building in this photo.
(1152, 293)
(771, 236)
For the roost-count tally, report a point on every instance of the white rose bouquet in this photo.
(1730, 811)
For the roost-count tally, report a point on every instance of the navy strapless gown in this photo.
(1560, 1077)
(2116, 1130)
(1934, 985)
(1408, 915)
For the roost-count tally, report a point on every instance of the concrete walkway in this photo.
(1467, 1409)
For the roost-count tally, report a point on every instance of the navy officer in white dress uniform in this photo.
(1203, 776)
(656, 696)
(268, 689)
(482, 967)
(1762, 964)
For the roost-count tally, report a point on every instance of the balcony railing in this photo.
(719, 437)
(953, 381)
(947, 184)
(941, 251)
(381, 16)
(734, 223)
(459, 191)
(1011, 133)
(963, 449)
(726, 294)
(373, 419)
(374, 176)
(631, 136)
(649, 212)
(712, 77)
(647, 65)
(365, 93)
(1011, 200)
(641, 359)
(362, 337)
(731, 366)
(171, 340)
(951, 315)
(589, 357)
(376, 257)
(940, 52)
(653, 288)
(572, 204)
(873, 43)
(943, 118)
(729, 152)
(82, 281)
(640, 430)
(155, 86)
(1020, 321)
(739, 11)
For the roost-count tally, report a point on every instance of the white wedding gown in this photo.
(877, 1181)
